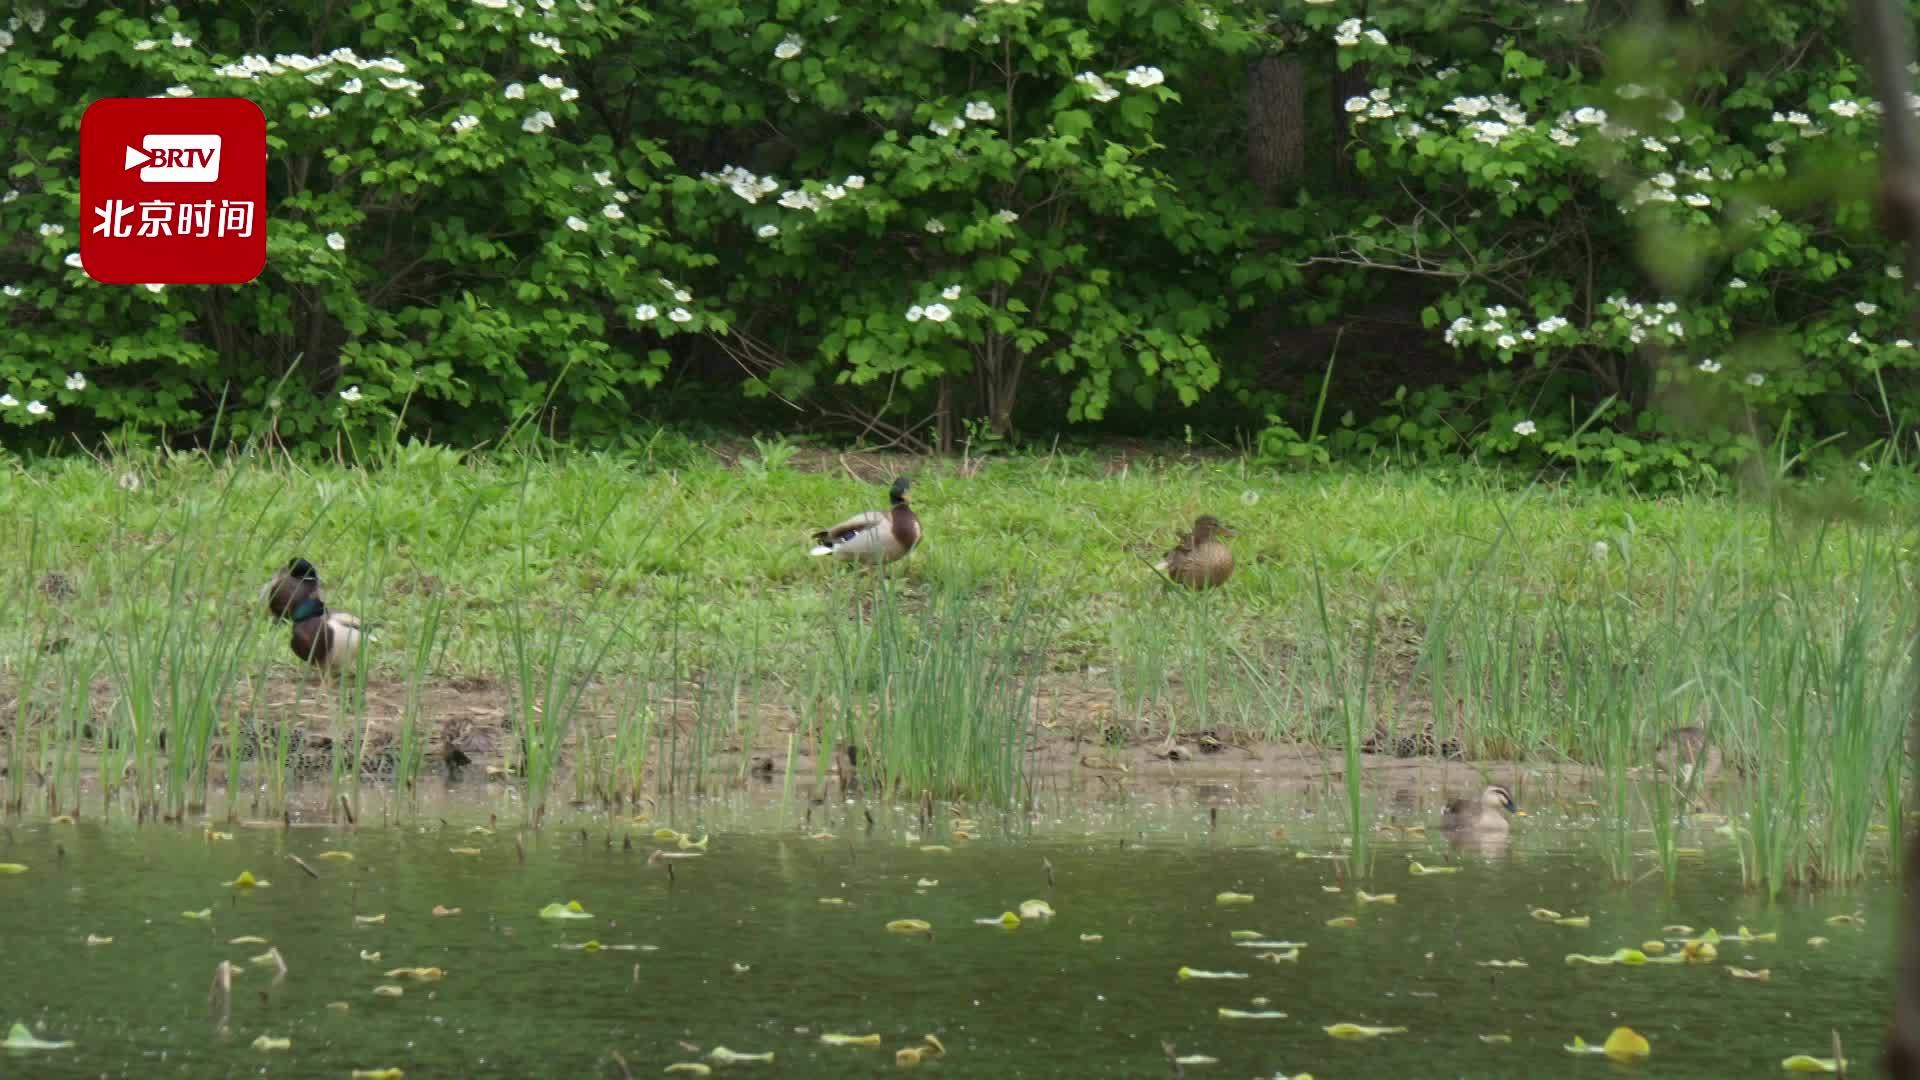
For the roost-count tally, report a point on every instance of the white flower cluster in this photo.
(253, 66)
(1349, 33)
(1503, 330)
(1097, 86)
(1377, 105)
(1659, 322)
(679, 314)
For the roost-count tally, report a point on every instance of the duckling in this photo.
(323, 638)
(1200, 560)
(1684, 751)
(1483, 814)
(290, 585)
(872, 536)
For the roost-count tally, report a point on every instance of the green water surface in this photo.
(1036, 1001)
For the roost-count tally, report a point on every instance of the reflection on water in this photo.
(745, 955)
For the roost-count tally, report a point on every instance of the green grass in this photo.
(636, 616)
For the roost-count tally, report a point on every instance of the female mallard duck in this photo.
(323, 638)
(1485, 814)
(1684, 751)
(1200, 560)
(872, 536)
(290, 586)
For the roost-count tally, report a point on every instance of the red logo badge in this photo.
(173, 191)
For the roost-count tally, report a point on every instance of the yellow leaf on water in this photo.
(935, 849)
(1763, 975)
(1816, 942)
(1289, 955)
(1653, 948)
(482, 830)
(1847, 920)
(1502, 963)
(1330, 888)
(378, 1074)
(910, 926)
(1196, 973)
(1091, 938)
(1677, 930)
(203, 914)
(463, 851)
(1036, 909)
(1241, 1014)
(1626, 1044)
(246, 881)
(664, 833)
(1360, 1031)
(927, 883)
(731, 1057)
(388, 990)
(569, 910)
(831, 1039)
(695, 1068)
(1806, 1063)
(1699, 952)
(370, 920)
(1421, 871)
(1246, 935)
(1005, 919)
(268, 1042)
(835, 901)
(440, 912)
(370, 957)
(338, 1006)
(1233, 898)
(1343, 922)
(95, 939)
(740, 968)
(1576, 921)
(693, 845)
(337, 856)
(1196, 1059)
(418, 974)
(249, 939)
(13, 868)
(1545, 914)
(1376, 898)
(1623, 1045)
(1748, 935)
(266, 959)
(821, 836)
(1496, 1040)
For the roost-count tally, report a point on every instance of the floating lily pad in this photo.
(19, 1037)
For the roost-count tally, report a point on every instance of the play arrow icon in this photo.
(135, 158)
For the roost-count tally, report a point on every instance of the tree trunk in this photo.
(1276, 124)
(943, 409)
(1276, 151)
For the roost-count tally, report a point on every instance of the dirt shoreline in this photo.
(470, 738)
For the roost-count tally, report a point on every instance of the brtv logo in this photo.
(173, 191)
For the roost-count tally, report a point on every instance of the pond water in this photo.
(1142, 872)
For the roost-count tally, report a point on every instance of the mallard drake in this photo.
(1488, 813)
(323, 638)
(1200, 560)
(291, 584)
(873, 536)
(1685, 750)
